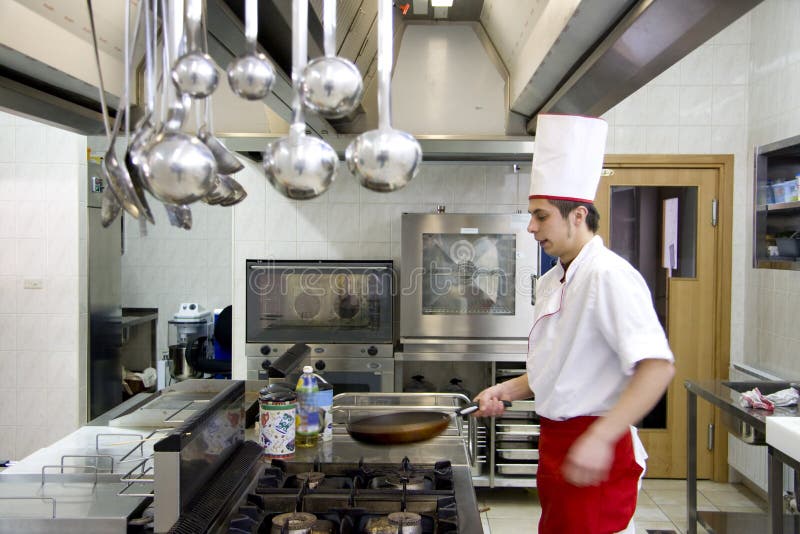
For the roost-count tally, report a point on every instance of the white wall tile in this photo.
(345, 222)
(695, 105)
(663, 105)
(694, 140)
(729, 105)
(7, 219)
(8, 370)
(312, 223)
(697, 67)
(31, 257)
(8, 438)
(630, 139)
(31, 369)
(29, 144)
(729, 69)
(6, 143)
(8, 405)
(8, 188)
(29, 219)
(375, 223)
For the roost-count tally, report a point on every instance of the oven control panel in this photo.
(349, 367)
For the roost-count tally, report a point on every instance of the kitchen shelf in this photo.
(774, 163)
(781, 206)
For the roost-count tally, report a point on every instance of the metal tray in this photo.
(519, 450)
(517, 428)
(523, 406)
(517, 469)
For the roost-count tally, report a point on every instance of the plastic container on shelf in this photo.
(785, 191)
(307, 422)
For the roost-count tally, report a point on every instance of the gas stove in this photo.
(350, 498)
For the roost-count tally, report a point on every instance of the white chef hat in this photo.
(567, 157)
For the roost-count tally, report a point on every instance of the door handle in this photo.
(534, 277)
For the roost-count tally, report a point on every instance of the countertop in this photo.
(726, 398)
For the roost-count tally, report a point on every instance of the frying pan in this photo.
(406, 426)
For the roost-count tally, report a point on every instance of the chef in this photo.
(598, 359)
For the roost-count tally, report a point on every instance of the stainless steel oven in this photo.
(343, 310)
(466, 277)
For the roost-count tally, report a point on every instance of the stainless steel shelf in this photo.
(782, 206)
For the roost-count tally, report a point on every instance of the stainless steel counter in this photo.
(749, 425)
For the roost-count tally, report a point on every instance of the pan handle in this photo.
(473, 407)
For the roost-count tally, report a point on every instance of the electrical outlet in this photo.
(33, 283)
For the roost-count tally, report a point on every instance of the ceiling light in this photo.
(441, 3)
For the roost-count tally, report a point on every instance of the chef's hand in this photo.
(588, 461)
(491, 402)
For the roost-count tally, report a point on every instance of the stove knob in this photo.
(266, 364)
(265, 350)
(320, 365)
(372, 351)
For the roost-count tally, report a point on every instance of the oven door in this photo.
(319, 301)
(467, 276)
(358, 375)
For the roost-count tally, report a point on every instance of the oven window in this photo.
(291, 302)
(468, 274)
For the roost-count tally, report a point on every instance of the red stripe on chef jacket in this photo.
(568, 509)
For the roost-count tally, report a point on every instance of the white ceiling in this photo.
(73, 16)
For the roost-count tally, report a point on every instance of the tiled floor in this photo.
(661, 506)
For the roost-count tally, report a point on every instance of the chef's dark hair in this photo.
(565, 207)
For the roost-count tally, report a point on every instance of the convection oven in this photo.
(341, 309)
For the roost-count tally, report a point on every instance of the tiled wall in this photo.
(699, 106)
(773, 298)
(351, 222)
(168, 265)
(41, 202)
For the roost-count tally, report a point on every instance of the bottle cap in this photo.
(308, 369)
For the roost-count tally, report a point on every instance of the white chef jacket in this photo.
(589, 333)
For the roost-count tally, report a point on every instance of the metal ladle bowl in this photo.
(251, 76)
(195, 74)
(300, 167)
(181, 168)
(331, 86)
(384, 160)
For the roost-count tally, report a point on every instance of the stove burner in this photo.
(322, 526)
(349, 499)
(293, 523)
(314, 478)
(412, 482)
(406, 522)
(380, 525)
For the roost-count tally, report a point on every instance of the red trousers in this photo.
(568, 509)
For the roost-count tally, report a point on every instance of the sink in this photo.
(740, 428)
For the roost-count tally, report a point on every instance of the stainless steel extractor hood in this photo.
(554, 56)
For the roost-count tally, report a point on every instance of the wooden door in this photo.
(689, 300)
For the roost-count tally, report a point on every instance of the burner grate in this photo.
(351, 499)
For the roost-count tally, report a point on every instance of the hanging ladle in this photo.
(118, 179)
(252, 75)
(298, 166)
(331, 85)
(180, 169)
(144, 129)
(195, 73)
(384, 159)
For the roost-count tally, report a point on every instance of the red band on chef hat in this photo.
(567, 157)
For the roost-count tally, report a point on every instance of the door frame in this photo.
(723, 163)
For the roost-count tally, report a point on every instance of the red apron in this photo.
(568, 509)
